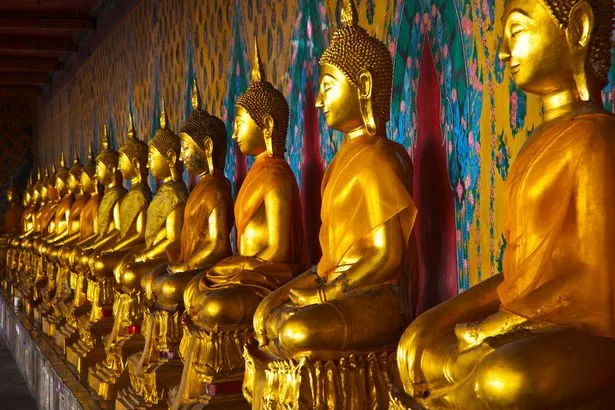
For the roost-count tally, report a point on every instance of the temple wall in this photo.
(478, 119)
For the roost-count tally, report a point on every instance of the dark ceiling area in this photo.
(37, 37)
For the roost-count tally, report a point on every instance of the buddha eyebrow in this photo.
(516, 10)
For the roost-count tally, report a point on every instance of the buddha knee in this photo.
(504, 381)
(190, 296)
(129, 279)
(295, 336)
(169, 292)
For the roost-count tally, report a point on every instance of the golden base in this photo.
(218, 402)
(352, 382)
(64, 336)
(151, 384)
(48, 325)
(107, 382)
(82, 357)
(128, 399)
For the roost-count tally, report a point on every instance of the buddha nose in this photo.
(505, 52)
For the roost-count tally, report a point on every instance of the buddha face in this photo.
(60, 186)
(338, 100)
(87, 183)
(126, 167)
(102, 172)
(247, 134)
(44, 192)
(73, 184)
(10, 196)
(157, 164)
(192, 155)
(536, 49)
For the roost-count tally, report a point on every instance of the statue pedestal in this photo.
(50, 380)
(354, 382)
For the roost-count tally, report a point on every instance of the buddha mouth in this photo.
(515, 68)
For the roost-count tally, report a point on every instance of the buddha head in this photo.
(261, 121)
(74, 174)
(558, 45)
(203, 139)
(107, 170)
(45, 185)
(163, 151)
(133, 155)
(26, 200)
(61, 177)
(356, 75)
(12, 194)
(89, 180)
(37, 188)
(50, 183)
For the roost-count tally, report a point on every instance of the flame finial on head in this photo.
(62, 160)
(349, 15)
(90, 153)
(196, 96)
(76, 156)
(163, 115)
(105, 137)
(131, 126)
(258, 71)
(53, 169)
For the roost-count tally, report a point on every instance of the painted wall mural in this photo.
(454, 105)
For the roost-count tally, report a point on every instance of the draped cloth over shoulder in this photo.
(559, 265)
(266, 175)
(131, 206)
(65, 206)
(169, 197)
(88, 216)
(105, 211)
(366, 185)
(203, 200)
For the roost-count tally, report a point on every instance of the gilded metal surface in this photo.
(220, 303)
(354, 301)
(540, 335)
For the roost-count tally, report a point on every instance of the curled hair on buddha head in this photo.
(164, 139)
(62, 172)
(601, 42)
(134, 148)
(201, 125)
(77, 169)
(108, 156)
(261, 99)
(353, 50)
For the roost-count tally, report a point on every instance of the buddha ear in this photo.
(578, 34)
(269, 124)
(208, 147)
(365, 100)
(171, 157)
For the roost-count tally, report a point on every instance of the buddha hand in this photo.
(305, 297)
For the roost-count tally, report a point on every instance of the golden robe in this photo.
(366, 184)
(559, 265)
(107, 204)
(205, 197)
(87, 219)
(170, 196)
(266, 175)
(131, 206)
(60, 215)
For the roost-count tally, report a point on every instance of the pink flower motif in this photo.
(467, 182)
(417, 18)
(471, 139)
(458, 235)
(445, 51)
(459, 190)
(466, 25)
(289, 87)
(477, 147)
(402, 106)
(309, 29)
(454, 95)
(391, 47)
(514, 100)
(434, 10)
(465, 264)
(471, 198)
(409, 62)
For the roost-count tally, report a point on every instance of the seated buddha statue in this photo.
(542, 333)
(59, 224)
(162, 230)
(100, 290)
(74, 296)
(349, 311)
(132, 211)
(220, 304)
(205, 240)
(11, 226)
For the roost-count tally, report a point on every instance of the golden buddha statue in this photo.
(220, 304)
(162, 232)
(74, 296)
(541, 334)
(100, 289)
(205, 240)
(132, 162)
(343, 318)
(10, 228)
(48, 269)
